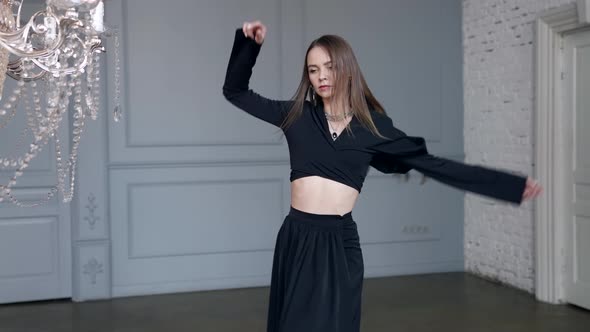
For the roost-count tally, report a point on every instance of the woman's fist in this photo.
(531, 190)
(255, 30)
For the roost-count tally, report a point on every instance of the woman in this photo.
(336, 129)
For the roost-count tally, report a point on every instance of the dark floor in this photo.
(455, 302)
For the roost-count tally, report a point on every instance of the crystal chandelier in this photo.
(54, 59)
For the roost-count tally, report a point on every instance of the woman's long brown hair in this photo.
(349, 84)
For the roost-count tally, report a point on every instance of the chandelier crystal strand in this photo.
(36, 117)
(11, 159)
(41, 135)
(69, 171)
(47, 128)
(20, 93)
(7, 162)
(92, 96)
(34, 149)
(117, 112)
(88, 98)
(63, 101)
(96, 87)
(9, 106)
(25, 98)
(57, 100)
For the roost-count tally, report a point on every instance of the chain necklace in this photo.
(333, 130)
(331, 117)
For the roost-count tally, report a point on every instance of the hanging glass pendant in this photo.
(334, 136)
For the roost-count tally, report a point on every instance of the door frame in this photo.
(551, 207)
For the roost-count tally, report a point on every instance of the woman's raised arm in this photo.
(247, 44)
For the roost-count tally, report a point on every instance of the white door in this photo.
(34, 256)
(577, 102)
(35, 243)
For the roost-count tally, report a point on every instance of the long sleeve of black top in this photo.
(236, 90)
(401, 153)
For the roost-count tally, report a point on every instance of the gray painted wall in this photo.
(188, 192)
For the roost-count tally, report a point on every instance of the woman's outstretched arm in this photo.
(495, 183)
(400, 153)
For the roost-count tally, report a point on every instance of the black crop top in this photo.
(347, 159)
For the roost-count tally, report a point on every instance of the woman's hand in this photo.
(531, 190)
(255, 30)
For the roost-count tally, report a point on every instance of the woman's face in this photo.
(319, 71)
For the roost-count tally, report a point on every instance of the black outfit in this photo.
(317, 275)
(317, 268)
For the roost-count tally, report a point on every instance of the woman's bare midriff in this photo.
(319, 195)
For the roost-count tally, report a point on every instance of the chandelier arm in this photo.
(20, 7)
(17, 34)
(8, 38)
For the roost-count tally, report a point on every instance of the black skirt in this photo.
(317, 275)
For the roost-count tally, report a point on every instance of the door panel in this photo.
(577, 100)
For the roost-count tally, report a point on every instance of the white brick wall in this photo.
(498, 97)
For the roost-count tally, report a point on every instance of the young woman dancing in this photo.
(336, 129)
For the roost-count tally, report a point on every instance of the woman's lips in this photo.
(324, 87)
